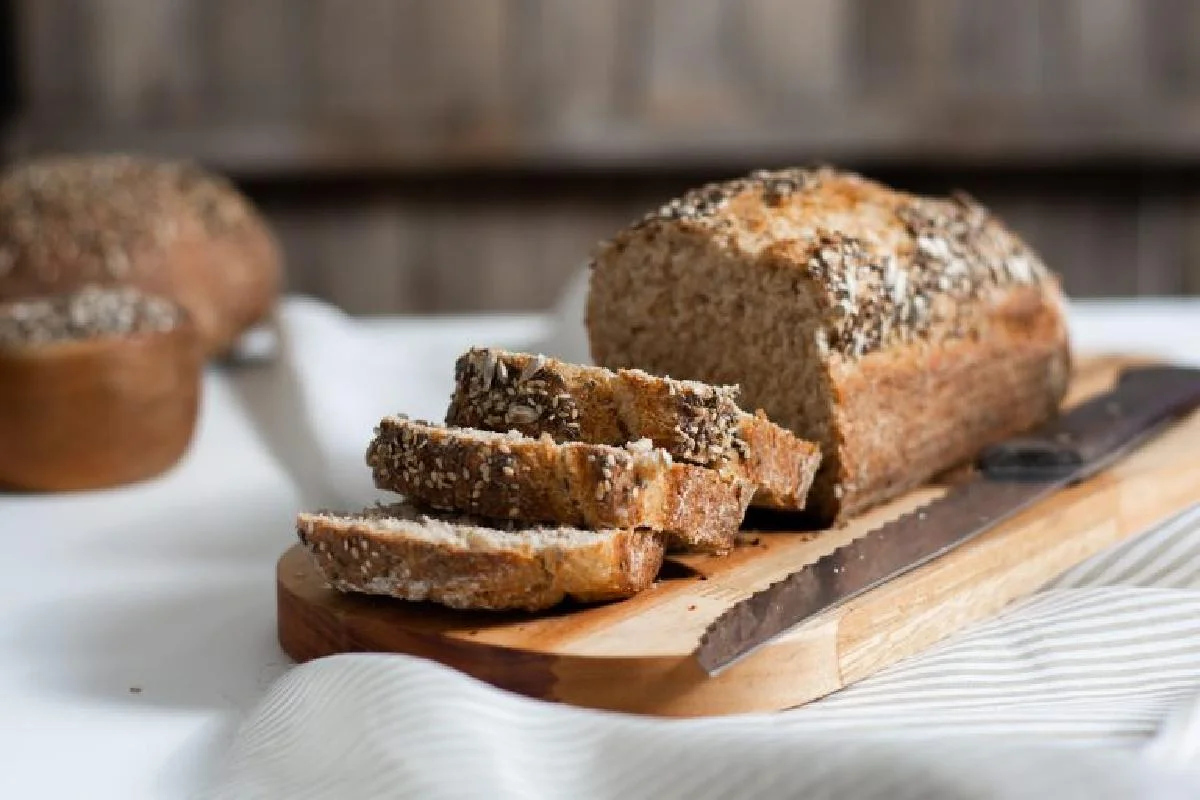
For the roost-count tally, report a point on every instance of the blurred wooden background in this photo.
(454, 155)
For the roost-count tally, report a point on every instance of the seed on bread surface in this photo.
(88, 313)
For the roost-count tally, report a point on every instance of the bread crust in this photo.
(510, 476)
(517, 566)
(81, 415)
(694, 422)
(167, 228)
(973, 394)
(900, 333)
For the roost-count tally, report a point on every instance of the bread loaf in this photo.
(899, 333)
(168, 228)
(467, 562)
(695, 422)
(98, 388)
(510, 476)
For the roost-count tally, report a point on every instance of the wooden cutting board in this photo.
(634, 655)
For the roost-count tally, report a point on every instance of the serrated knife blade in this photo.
(1013, 475)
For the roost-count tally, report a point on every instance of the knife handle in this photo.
(1097, 431)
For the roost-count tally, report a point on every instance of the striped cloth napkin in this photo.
(1089, 689)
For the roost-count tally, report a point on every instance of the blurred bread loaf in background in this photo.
(98, 388)
(167, 227)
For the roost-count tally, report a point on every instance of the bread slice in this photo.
(511, 476)
(695, 422)
(465, 562)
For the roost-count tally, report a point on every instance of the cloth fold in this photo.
(394, 726)
(317, 403)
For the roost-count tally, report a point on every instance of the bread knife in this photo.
(1011, 476)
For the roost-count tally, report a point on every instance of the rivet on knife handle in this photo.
(1013, 476)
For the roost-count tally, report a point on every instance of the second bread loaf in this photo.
(168, 228)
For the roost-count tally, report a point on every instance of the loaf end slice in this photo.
(465, 562)
(695, 422)
(781, 465)
(512, 476)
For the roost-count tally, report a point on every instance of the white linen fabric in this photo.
(318, 402)
(1088, 689)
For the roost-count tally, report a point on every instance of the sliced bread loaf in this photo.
(901, 333)
(695, 422)
(511, 476)
(465, 562)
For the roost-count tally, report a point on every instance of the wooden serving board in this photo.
(634, 655)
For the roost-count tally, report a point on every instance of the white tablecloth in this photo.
(137, 625)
